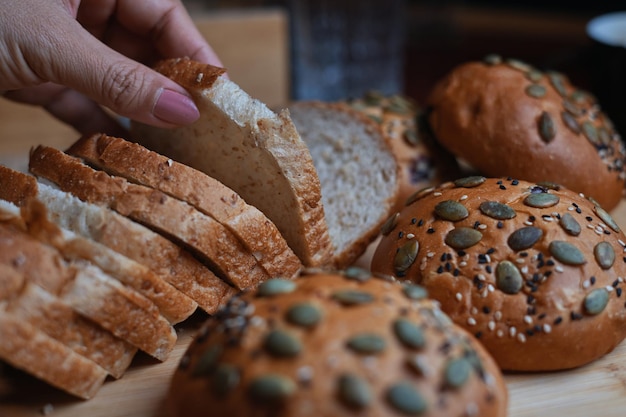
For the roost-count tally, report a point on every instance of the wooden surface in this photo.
(598, 389)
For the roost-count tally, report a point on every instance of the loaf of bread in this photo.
(257, 153)
(506, 118)
(422, 162)
(331, 344)
(357, 170)
(534, 270)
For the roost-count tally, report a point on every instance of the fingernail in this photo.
(176, 108)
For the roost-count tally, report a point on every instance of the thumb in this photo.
(124, 86)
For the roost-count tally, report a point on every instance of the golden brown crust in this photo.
(188, 73)
(172, 217)
(138, 164)
(486, 114)
(509, 280)
(258, 335)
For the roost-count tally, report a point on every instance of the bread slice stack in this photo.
(123, 240)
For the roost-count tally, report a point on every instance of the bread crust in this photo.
(327, 354)
(483, 113)
(138, 164)
(250, 149)
(169, 216)
(524, 285)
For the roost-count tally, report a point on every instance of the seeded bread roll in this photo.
(506, 118)
(532, 270)
(331, 345)
(422, 163)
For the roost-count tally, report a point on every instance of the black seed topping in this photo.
(354, 391)
(451, 210)
(604, 254)
(405, 398)
(497, 210)
(596, 301)
(570, 225)
(463, 237)
(566, 253)
(524, 238)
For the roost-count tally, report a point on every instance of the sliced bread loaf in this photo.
(357, 170)
(27, 348)
(122, 235)
(174, 218)
(140, 165)
(89, 291)
(242, 143)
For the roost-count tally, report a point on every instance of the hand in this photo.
(72, 56)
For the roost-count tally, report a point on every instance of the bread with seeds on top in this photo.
(335, 344)
(535, 271)
(507, 118)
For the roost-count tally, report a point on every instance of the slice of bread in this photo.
(242, 143)
(177, 220)
(27, 348)
(176, 265)
(89, 291)
(172, 304)
(140, 165)
(357, 170)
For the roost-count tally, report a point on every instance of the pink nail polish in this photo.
(173, 107)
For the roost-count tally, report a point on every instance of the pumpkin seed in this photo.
(208, 361)
(356, 273)
(463, 237)
(282, 344)
(470, 182)
(578, 96)
(535, 90)
(571, 122)
(271, 388)
(596, 301)
(418, 195)
(411, 137)
(304, 314)
(405, 256)
(549, 185)
(275, 286)
(524, 238)
(566, 252)
(409, 334)
(606, 218)
(573, 108)
(451, 210)
(225, 378)
(497, 210)
(558, 82)
(415, 292)
(534, 75)
(604, 136)
(518, 65)
(389, 224)
(367, 343)
(457, 372)
(354, 391)
(541, 200)
(492, 59)
(509, 279)
(547, 130)
(590, 132)
(404, 397)
(352, 297)
(604, 254)
(570, 225)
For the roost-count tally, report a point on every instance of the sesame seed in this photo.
(586, 284)
(528, 319)
(547, 218)
(512, 331)
(528, 223)
(521, 337)
(524, 269)
(437, 194)
(459, 296)
(482, 226)
(492, 325)
(462, 264)
(471, 321)
(609, 288)
(463, 197)
(491, 288)
(558, 268)
(485, 293)
(571, 208)
(430, 254)
(474, 311)
(410, 236)
(520, 260)
(547, 328)
(500, 333)
(621, 242)
(497, 315)
(169, 161)
(481, 277)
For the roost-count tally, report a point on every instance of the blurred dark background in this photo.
(440, 34)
